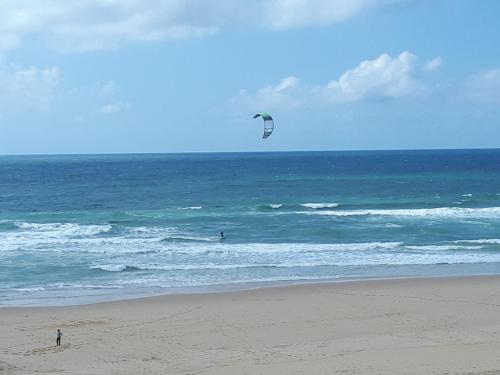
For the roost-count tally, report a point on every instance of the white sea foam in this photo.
(153, 231)
(467, 195)
(392, 225)
(167, 264)
(171, 255)
(63, 237)
(64, 229)
(441, 247)
(30, 290)
(44, 235)
(110, 267)
(187, 238)
(283, 248)
(275, 205)
(252, 256)
(319, 206)
(191, 208)
(446, 212)
(168, 233)
(219, 249)
(56, 286)
(485, 241)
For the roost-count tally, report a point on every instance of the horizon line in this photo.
(248, 152)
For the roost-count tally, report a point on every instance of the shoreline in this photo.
(412, 326)
(256, 287)
(234, 287)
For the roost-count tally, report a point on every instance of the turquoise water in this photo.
(99, 227)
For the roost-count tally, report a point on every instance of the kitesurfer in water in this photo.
(222, 235)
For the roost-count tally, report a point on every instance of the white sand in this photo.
(415, 326)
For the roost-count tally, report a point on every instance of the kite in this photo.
(268, 123)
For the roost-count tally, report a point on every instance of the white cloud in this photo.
(382, 78)
(101, 24)
(280, 95)
(285, 94)
(484, 86)
(433, 64)
(29, 89)
(117, 107)
(284, 14)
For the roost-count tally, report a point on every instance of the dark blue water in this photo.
(107, 225)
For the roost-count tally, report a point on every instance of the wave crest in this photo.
(114, 267)
(319, 206)
(446, 212)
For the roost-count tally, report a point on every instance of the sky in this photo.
(123, 76)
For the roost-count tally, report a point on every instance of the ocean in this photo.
(84, 228)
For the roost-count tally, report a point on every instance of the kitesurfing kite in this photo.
(268, 123)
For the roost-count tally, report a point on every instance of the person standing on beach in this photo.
(59, 335)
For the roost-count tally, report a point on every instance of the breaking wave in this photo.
(319, 206)
(64, 229)
(288, 255)
(114, 267)
(486, 241)
(275, 205)
(446, 212)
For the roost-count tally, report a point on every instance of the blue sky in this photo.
(99, 76)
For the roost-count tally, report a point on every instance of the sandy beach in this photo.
(410, 326)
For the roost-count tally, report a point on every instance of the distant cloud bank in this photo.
(101, 24)
(382, 78)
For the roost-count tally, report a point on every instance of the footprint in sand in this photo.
(47, 349)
